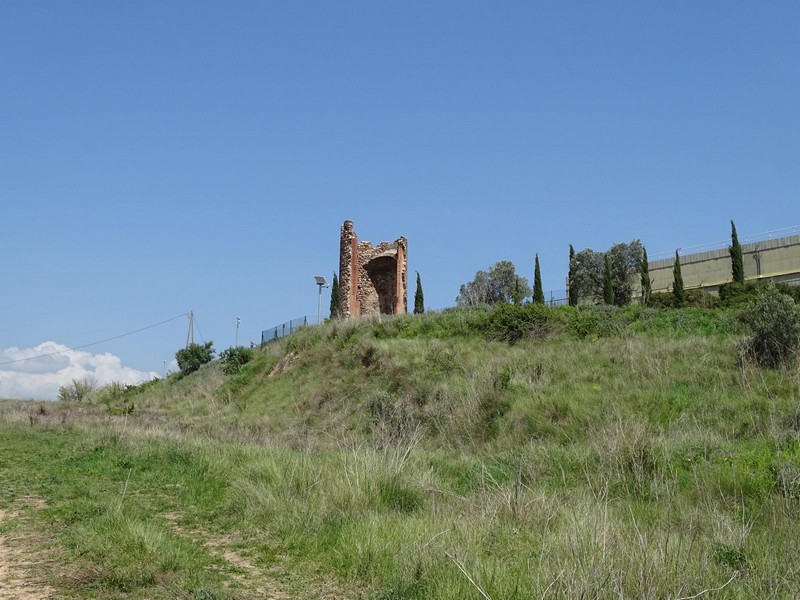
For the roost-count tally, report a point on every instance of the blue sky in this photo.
(160, 157)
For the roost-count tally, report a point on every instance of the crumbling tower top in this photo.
(372, 279)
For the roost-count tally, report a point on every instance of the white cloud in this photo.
(39, 378)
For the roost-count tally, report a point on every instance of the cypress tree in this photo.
(677, 281)
(608, 286)
(419, 298)
(516, 294)
(572, 293)
(737, 262)
(335, 298)
(644, 271)
(538, 292)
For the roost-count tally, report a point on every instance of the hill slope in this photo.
(514, 453)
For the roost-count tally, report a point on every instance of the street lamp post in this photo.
(238, 320)
(321, 283)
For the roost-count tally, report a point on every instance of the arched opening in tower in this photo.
(382, 273)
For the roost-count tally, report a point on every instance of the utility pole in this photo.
(190, 333)
(238, 320)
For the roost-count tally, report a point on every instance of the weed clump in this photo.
(395, 495)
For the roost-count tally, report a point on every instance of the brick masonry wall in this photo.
(372, 279)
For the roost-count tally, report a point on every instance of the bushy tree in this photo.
(677, 282)
(538, 292)
(234, 358)
(774, 321)
(587, 279)
(737, 261)
(608, 286)
(493, 287)
(572, 293)
(503, 279)
(335, 311)
(644, 272)
(624, 260)
(475, 292)
(419, 298)
(194, 356)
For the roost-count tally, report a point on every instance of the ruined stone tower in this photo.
(372, 280)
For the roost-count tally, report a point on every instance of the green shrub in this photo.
(511, 322)
(662, 300)
(697, 298)
(789, 290)
(741, 294)
(738, 294)
(450, 322)
(594, 321)
(233, 359)
(774, 320)
(78, 390)
(194, 356)
(117, 396)
(700, 299)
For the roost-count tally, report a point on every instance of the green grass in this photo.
(516, 453)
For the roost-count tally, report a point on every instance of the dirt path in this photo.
(18, 565)
(255, 582)
(24, 561)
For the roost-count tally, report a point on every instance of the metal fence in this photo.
(556, 298)
(552, 298)
(282, 330)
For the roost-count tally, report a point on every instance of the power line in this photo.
(116, 337)
(200, 333)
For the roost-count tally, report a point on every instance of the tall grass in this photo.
(624, 453)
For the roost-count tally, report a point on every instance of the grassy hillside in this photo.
(515, 453)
